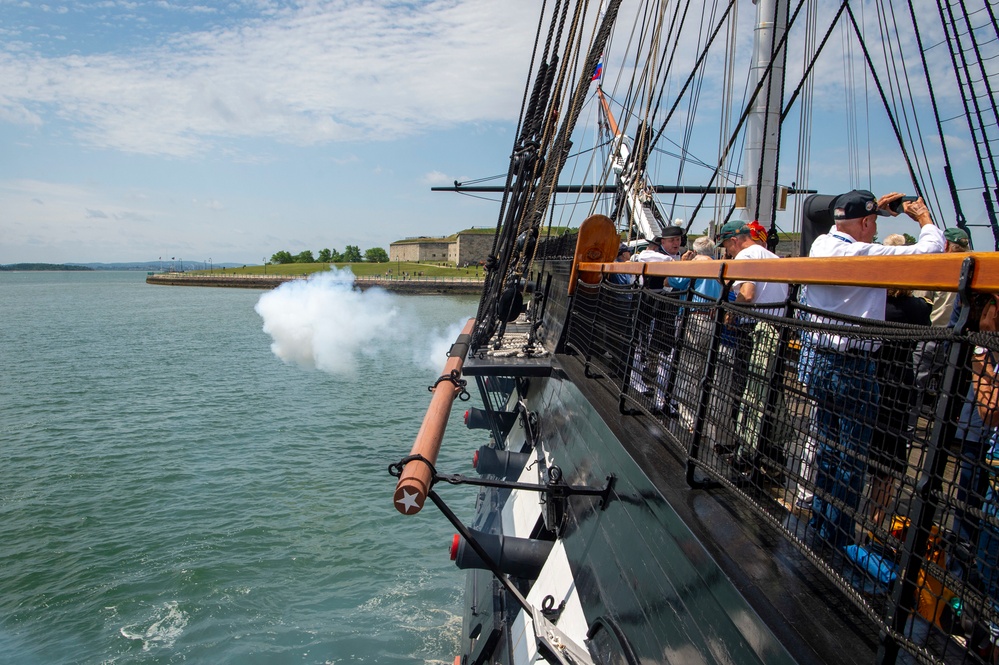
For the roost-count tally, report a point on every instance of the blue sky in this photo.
(132, 130)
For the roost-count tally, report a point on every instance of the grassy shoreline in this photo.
(394, 268)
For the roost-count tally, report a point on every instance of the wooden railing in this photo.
(933, 272)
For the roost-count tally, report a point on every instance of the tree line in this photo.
(351, 254)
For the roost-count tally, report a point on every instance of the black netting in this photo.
(872, 446)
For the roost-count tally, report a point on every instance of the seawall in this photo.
(413, 286)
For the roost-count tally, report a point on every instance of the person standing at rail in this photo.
(697, 330)
(756, 344)
(896, 421)
(843, 381)
(622, 279)
(652, 358)
(930, 354)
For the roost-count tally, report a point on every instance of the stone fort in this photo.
(468, 247)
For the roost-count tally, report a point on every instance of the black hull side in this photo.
(684, 575)
(738, 578)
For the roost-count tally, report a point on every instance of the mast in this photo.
(763, 122)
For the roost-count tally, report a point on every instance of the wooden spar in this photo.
(933, 272)
(597, 241)
(414, 482)
(611, 123)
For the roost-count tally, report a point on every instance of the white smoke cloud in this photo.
(325, 323)
(432, 354)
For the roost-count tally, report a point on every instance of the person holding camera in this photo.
(842, 379)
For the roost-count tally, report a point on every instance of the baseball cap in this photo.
(731, 229)
(857, 204)
(957, 236)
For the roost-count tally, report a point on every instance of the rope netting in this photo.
(872, 447)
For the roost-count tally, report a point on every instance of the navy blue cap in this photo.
(857, 204)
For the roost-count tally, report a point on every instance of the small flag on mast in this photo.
(598, 70)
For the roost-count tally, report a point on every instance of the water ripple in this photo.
(170, 491)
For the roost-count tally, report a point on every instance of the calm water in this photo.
(171, 491)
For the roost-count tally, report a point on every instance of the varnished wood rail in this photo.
(932, 272)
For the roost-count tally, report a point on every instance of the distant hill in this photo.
(43, 266)
(136, 265)
(161, 265)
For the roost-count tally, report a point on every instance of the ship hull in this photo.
(665, 573)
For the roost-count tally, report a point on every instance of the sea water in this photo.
(178, 485)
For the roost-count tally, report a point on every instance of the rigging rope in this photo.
(948, 173)
(694, 101)
(685, 155)
(955, 45)
(850, 109)
(806, 75)
(697, 65)
(727, 101)
(805, 114)
(907, 102)
(985, 80)
(884, 100)
(485, 312)
(530, 213)
(749, 105)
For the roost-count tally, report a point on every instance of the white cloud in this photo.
(319, 72)
(438, 178)
(64, 214)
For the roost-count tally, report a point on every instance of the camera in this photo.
(896, 206)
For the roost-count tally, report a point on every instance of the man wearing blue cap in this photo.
(842, 379)
(622, 279)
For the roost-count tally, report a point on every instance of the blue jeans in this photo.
(846, 394)
(988, 547)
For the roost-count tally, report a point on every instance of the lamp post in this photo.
(211, 266)
(265, 265)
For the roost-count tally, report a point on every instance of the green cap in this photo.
(733, 228)
(957, 236)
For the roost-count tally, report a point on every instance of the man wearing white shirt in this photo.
(755, 348)
(655, 350)
(842, 378)
(661, 248)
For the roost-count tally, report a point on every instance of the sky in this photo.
(134, 130)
